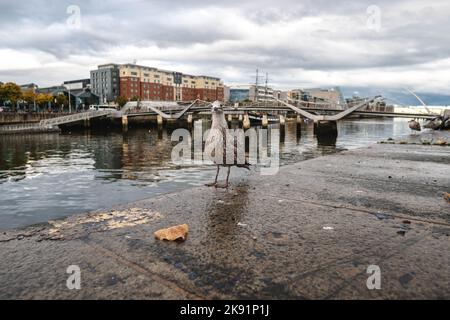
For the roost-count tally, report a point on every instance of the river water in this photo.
(49, 176)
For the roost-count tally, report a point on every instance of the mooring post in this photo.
(159, 120)
(282, 120)
(265, 120)
(125, 123)
(246, 122)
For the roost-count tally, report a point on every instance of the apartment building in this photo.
(105, 82)
(148, 83)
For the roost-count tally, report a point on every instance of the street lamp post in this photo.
(70, 102)
(34, 98)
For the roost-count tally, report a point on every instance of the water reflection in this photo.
(223, 217)
(48, 176)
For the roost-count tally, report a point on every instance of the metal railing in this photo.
(53, 122)
(75, 117)
(24, 127)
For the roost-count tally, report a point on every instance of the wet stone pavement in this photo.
(310, 232)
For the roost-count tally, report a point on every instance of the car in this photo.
(105, 107)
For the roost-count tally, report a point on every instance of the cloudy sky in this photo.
(299, 43)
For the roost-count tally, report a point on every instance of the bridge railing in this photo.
(74, 117)
(17, 127)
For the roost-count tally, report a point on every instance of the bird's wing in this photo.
(215, 138)
(214, 141)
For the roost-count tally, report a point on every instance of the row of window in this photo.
(103, 74)
(95, 80)
(103, 85)
(185, 85)
(154, 92)
(145, 75)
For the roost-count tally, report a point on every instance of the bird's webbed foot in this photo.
(222, 186)
(212, 184)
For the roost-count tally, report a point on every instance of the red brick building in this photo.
(146, 83)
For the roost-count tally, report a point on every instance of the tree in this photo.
(29, 97)
(121, 101)
(135, 98)
(2, 95)
(43, 99)
(10, 92)
(61, 101)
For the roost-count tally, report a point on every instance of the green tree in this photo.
(135, 98)
(121, 101)
(10, 92)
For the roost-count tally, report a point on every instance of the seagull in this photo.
(414, 125)
(217, 141)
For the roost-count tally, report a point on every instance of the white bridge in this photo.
(172, 110)
(51, 124)
(76, 117)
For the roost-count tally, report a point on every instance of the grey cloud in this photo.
(411, 34)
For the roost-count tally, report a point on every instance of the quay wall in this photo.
(27, 117)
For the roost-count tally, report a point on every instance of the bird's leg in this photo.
(228, 175)
(225, 186)
(215, 180)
